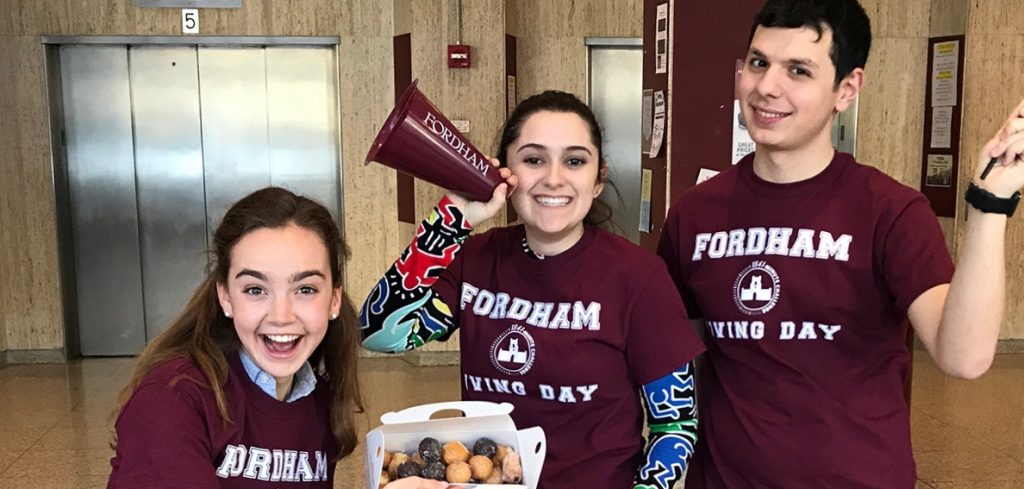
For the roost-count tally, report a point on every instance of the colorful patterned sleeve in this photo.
(403, 312)
(672, 420)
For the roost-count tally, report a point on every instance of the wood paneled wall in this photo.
(476, 94)
(29, 282)
(551, 54)
(3, 319)
(993, 85)
(28, 253)
(891, 114)
(949, 18)
(891, 110)
(551, 33)
(890, 126)
(30, 307)
(371, 228)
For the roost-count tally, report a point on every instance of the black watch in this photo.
(986, 201)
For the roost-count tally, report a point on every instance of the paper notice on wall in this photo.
(940, 171)
(942, 127)
(645, 200)
(647, 121)
(461, 125)
(945, 65)
(658, 131)
(705, 174)
(661, 40)
(742, 145)
(510, 94)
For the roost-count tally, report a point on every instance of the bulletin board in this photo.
(942, 115)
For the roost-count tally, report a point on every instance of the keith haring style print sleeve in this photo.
(403, 312)
(672, 420)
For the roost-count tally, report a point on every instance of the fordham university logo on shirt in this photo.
(513, 351)
(756, 289)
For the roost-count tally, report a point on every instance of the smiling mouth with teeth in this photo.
(552, 201)
(280, 343)
(764, 114)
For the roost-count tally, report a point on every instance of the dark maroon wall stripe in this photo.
(510, 70)
(406, 185)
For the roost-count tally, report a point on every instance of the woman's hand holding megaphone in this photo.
(476, 212)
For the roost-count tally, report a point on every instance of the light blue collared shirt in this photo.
(302, 385)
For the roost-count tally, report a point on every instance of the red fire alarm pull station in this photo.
(458, 56)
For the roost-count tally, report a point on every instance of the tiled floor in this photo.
(54, 421)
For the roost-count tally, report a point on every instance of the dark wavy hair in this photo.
(204, 335)
(600, 214)
(846, 19)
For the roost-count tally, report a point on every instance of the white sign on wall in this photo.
(742, 144)
(189, 21)
(945, 65)
(705, 174)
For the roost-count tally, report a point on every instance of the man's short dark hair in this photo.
(850, 26)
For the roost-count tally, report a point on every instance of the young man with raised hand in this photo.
(803, 267)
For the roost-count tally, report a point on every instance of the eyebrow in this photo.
(544, 148)
(295, 277)
(306, 274)
(792, 61)
(252, 273)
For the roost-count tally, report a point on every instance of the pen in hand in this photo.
(988, 167)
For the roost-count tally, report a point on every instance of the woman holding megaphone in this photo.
(566, 321)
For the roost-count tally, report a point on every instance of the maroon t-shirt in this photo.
(171, 435)
(568, 340)
(804, 289)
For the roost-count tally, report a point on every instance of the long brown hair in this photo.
(203, 334)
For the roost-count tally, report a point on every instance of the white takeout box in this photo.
(402, 432)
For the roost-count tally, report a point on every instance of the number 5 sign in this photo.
(189, 21)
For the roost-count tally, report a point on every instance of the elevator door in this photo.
(616, 91)
(844, 129)
(160, 141)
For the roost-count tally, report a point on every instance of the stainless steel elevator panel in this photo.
(301, 108)
(844, 129)
(161, 140)
(616, 90)
(169, 175)
(101, 175)
(233, 95)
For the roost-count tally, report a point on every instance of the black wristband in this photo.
(986, 201)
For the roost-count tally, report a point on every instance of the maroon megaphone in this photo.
(419, 140)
